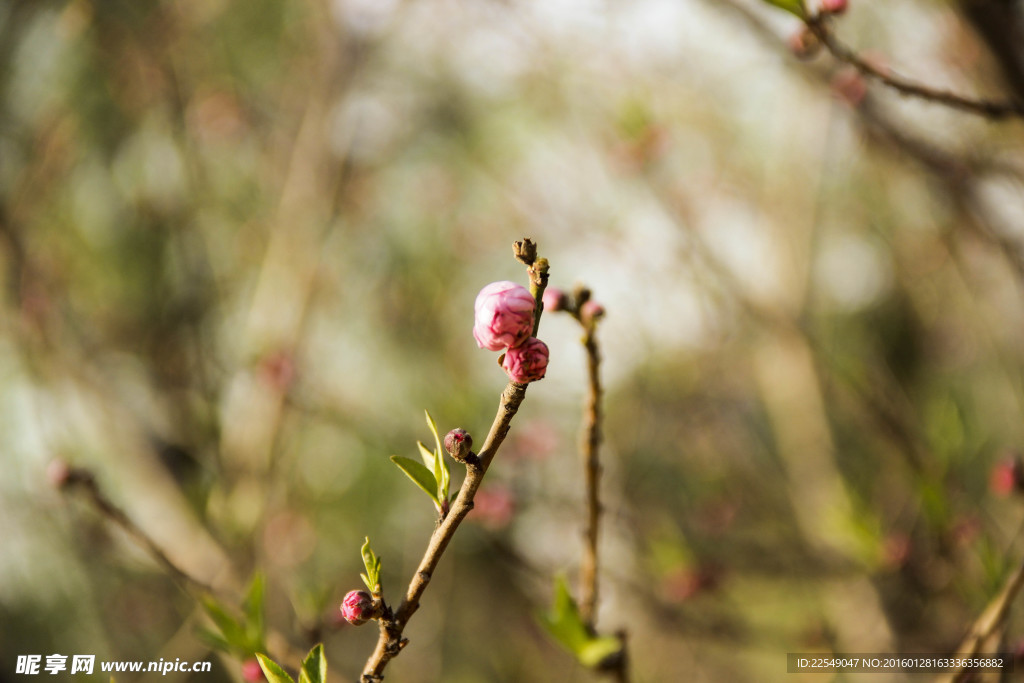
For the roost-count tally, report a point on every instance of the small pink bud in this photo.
(526, 363)
(58, 473)
(504, 316)
(357, 607)
(849, 86)
(554, 299)
(251, 670)
(804, 44)
(493, 507)
(833, 6)
(591, 310)
(1006, 477)
(458, 442)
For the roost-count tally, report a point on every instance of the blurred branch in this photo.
(390, 642)
(592, 474)
(988, 625)
(70, 478)
(820, 26)
(1001, 25)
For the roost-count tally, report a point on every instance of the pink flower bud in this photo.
(357, 607)
(554, 299)
(458, 442)
(833, 6)
(804, 44)
(251, 670)
(1007, 477)
(849, 86)
(58, 473)
(591, 309)
(504, 316)
(526, 363)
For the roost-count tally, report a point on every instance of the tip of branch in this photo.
(525, 251)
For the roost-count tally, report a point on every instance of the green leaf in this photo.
(596, 650)
(795, 7)
(253, 610)
(273, 672)
(446, 477)
(419, 474)
(213, 640)
(566, 626)
(229, 627)
(433, 429)
(372, 563)
(563, 622)
(428, 457)
(314, 666)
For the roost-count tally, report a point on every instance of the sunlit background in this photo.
(240, 244)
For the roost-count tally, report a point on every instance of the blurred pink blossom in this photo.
(493, 507)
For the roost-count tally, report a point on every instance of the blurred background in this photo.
(239, 247)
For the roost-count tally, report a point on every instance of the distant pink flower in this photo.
(1006, 477)
(251, 670)
(834, 6)
(849, 86)
(591, 309)
(504, 316)
(493, 507)
(357, 607)
(526, 363)
(554, 299)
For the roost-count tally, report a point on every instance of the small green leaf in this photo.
(794, 7)
(428, 457)
(566, 626)
(273, 672)
(446, 477)
(419, 474)
(213, 640)
(253, 610)
(372, 563)
(229, 627)
(433, 430)
(314, 667)
(596, 650)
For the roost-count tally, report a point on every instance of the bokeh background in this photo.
(240, 243)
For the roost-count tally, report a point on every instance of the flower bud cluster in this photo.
(504, 320)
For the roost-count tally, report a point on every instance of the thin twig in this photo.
(988, 624)
(85, 480)
(390, 642)
(592, 473)
(988, 108)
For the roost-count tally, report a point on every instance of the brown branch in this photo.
(390, 642)
(75, 477)
(820, 27)
(592, 472)
(988, 623)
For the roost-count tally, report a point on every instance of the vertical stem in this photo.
(592, 473)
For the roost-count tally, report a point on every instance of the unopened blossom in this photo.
(251, 671)
(554, 299)
(458, 442)
(357, 607)
(528, 362)
(591, 309)
(504, 316)
(834, 6)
